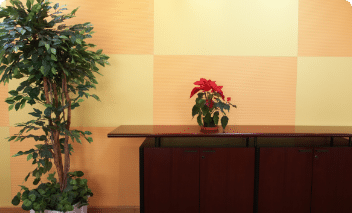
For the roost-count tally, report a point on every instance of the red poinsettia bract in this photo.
(206, 86)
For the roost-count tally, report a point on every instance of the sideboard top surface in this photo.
(231, 131)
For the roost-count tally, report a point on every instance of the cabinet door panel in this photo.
(185, 180)
(332, 175)
(157, 177)
(171, 180)
(226, 180)
(285, 176)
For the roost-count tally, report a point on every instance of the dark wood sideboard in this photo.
(244, 169)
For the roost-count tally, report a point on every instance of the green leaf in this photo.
(22, 31)
(41, 170)
(90, 139)
(53, 57)
(27, 202)
(80, 100)
(24, 188)
(56, 6)
(74, 11)
(63, 37)
(53, 51)
(52, 178)
(15, 71)
(60, 206)
(36, 206)
(205, 110)
(207, 118)
(13, 92)
(19, 97)
(78, 140)
(200, 102)
(87, 133)
(19, 153)
(47, 112)
(23, 104)
(16, 200)
(32, 197)
(42, 69)
(69, 207)
(53, 70)
(27, 176)
(48, 166)
(41, 43)
(96, 97)
(199, 120)
(216, 117)
(12, 138)
(11, 107)
(195, 110)
(30, 156)
(200, 95)
(47, 46)
(79, 173)
(36, 181)
(224, 121)
(41, 191)
(39, 146)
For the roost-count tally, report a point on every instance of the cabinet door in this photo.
(226, 180)
(285, 176)
(332, 175)
(157, 177)
(185, 180)
(171, 180)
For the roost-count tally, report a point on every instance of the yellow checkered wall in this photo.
(283, 62)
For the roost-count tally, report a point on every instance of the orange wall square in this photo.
(324, 28)
(120, 26)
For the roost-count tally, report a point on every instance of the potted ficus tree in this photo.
(54, 60)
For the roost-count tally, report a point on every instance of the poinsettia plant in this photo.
(208, 108)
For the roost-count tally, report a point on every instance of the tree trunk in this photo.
(55, 137)
(66, 148)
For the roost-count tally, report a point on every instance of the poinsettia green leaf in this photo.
(195, 110)
(216, 117)
(224, 121)
(199, 120)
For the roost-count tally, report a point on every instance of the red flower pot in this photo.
(209, 129)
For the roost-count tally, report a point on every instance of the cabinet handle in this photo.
(305, 150)
(209, 151)
(322, 150)
(190, 150)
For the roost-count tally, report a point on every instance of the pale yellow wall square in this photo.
(324, 91)
(125, 91)
(224, 27)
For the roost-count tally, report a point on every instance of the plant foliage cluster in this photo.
(49, 197)
(54, 60)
